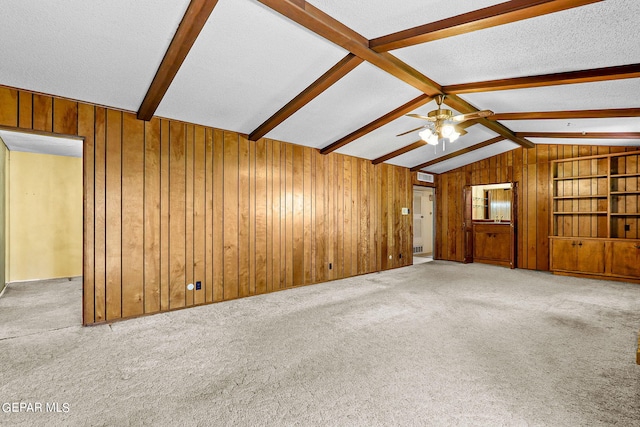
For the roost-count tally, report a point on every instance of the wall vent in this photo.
(417, 249)
(425, 177)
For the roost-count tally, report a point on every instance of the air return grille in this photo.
(425, 177)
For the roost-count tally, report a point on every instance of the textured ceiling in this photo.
(377, 18)
(249, 61)
(358, 98)
(593, 36)
(102, 51)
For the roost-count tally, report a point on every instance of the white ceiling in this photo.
(101, 51)
(249, 61)
(41, 144)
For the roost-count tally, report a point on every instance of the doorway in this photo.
(423, 217)
(43, 220)
(490, 221)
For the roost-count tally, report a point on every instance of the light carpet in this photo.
(437, 343)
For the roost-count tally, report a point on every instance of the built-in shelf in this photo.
(583, 213)
(595, 196)
(564, 178)
(595, 216)
(625, 175)
(607, 209)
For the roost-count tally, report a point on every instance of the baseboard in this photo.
(42, 280)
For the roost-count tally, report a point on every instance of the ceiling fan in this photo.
(442, 123)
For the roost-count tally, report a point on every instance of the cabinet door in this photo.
(626, 259)
(563, 255)
(591, 256)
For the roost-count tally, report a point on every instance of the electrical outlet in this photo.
(198, 286)
(390, 256)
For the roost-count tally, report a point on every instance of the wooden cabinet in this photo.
(492, 243)
(595, 212)
(625, 259)
(578, 255)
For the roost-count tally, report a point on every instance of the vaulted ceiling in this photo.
(341, 75)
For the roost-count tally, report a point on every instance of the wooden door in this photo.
(563, 254)
(467, 224)
(626, 259)
(590, 256)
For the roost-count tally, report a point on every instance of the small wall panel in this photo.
(165, 266)
(177, 213)
(133, 250)
(218, 215)
(25, 105)
(243, 208)
(231, 217)
(100, 220)
(86, 115)
(208, 220)
(9, 104)
(65, 116)
(152, 211)
(199, 215)
(189, 214)
(43, 113)
(113, 214)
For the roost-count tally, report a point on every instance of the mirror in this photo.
(491, 202)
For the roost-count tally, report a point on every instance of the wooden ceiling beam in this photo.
(575, 114)
(338, 71)
(336, 32)
(193, 21)
(580, 135)
(492, 16)
(399, 152)
(464, 107)
(458, 153)
(387, 118)
(584, 76)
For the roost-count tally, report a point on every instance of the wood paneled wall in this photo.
(168, 203)
(531, 169)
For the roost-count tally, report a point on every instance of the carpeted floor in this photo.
(437, 343)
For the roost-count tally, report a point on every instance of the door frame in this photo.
(433, 216)
(467, 223)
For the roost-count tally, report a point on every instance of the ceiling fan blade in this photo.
(418, 116)
(462, 132)
(469, 116)
(409, 131)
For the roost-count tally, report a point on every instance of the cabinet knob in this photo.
(637, 246)
(573, 243)
(580, 244)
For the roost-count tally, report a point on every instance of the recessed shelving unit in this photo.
(595, 213)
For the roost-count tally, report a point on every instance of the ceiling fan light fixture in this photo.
(454, 135)
(429, 136)
(447, 131)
